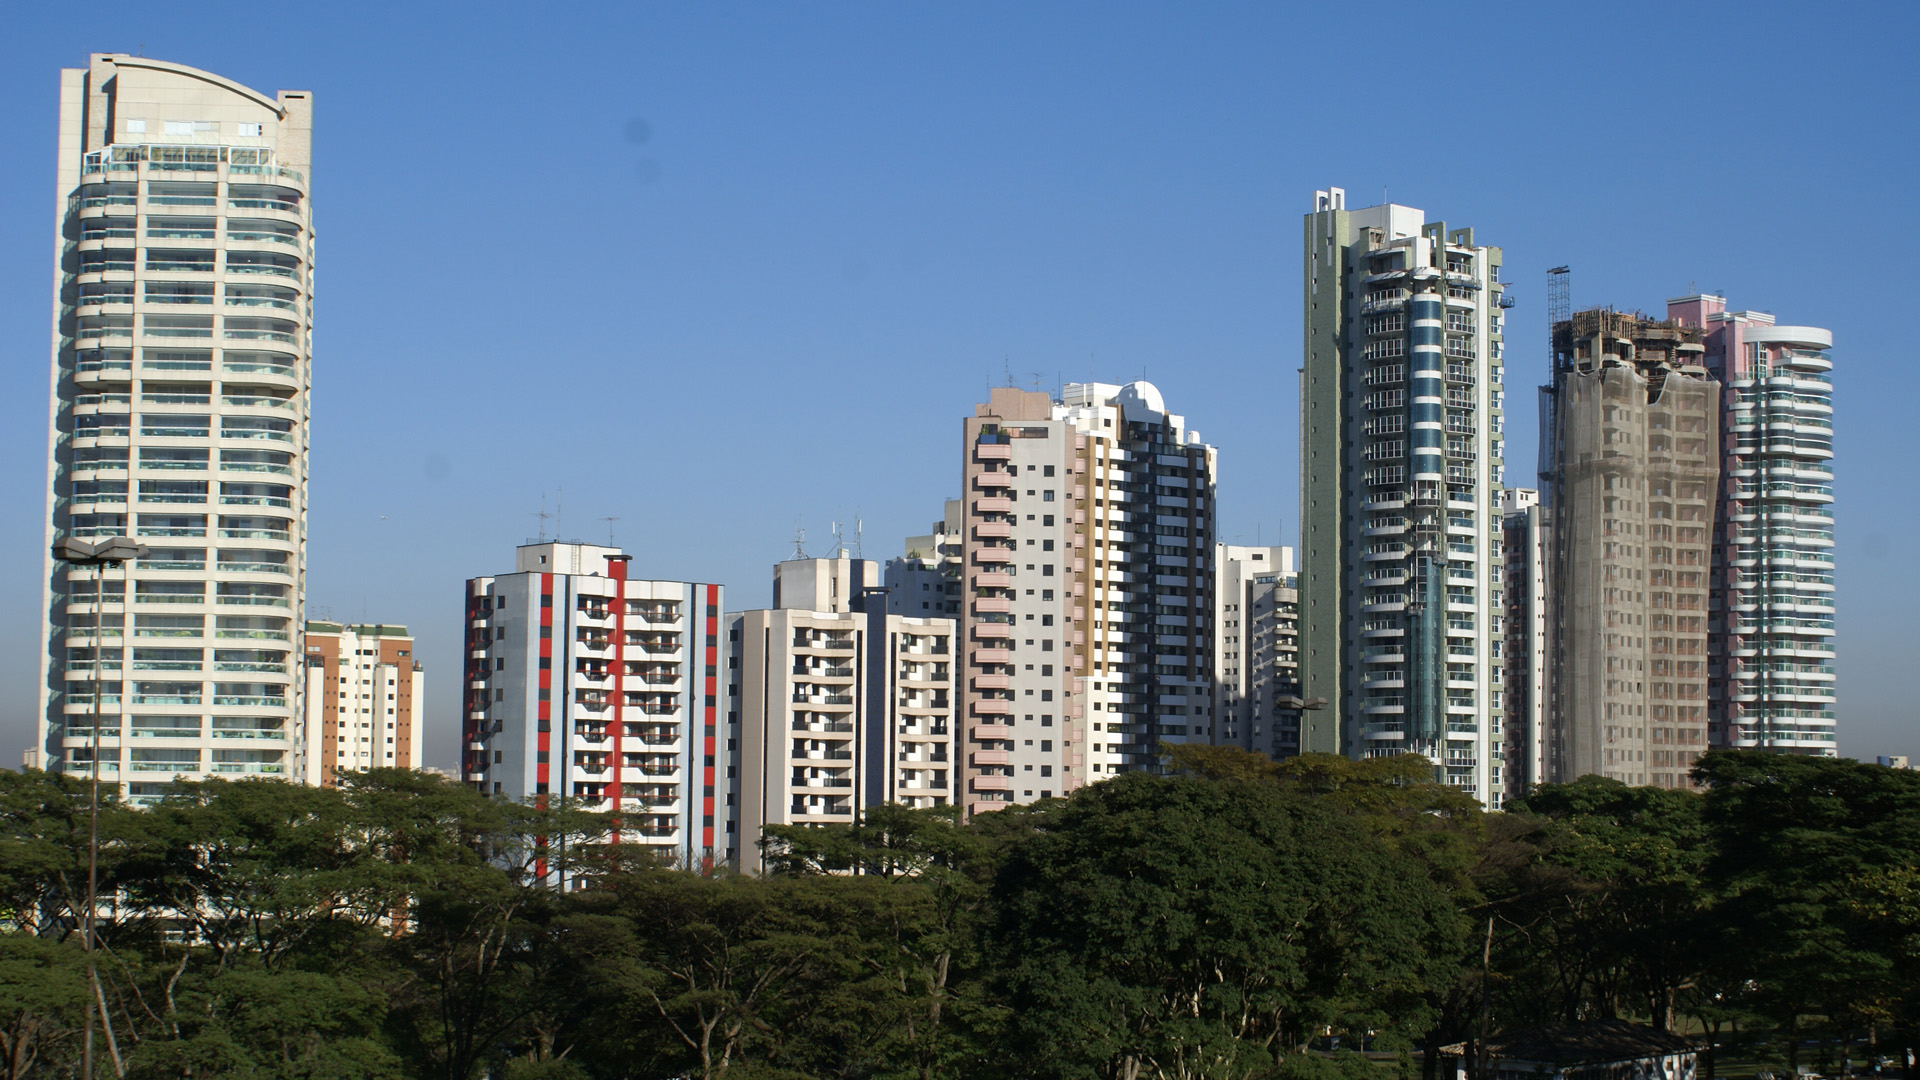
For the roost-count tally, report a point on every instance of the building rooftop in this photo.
(1585, 1042)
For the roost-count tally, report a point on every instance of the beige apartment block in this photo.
(182, 274)
(839, 707)
(364, 700)
(1635, 458)
(1088, 589)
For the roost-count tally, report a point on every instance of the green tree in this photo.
(1185, 929)
(1795, 840)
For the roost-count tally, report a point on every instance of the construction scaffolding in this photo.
(1635, 464)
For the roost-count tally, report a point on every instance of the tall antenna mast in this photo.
(799, 540)
(543, 515)
(610, 521)
(859, 535)
(559, 525)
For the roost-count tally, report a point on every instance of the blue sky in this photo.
(718, 269)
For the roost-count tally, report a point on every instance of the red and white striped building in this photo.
(582, 682)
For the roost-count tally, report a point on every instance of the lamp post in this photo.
(116, 550)
(1303, 704)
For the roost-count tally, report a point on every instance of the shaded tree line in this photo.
(1240, 919)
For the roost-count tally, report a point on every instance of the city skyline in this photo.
(442, 455)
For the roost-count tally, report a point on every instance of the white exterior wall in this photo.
(178, 414)
(617, 696)
(376, 725)
(839, 711)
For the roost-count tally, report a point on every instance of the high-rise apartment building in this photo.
(1528, 559)
(582, 682)
(1401, 468)
(364, 700)
(1088, 565)
(183, 261)
(839, 704)
(1632, 458)
(1771, 644)
(1256, 667)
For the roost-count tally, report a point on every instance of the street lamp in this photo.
(1303, 704)
(115, 550)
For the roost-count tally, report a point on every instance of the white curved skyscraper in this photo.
(183, 273)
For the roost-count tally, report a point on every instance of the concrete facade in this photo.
(1402, 403)
(1256, 667)
(1633, 455)
(584, 683)
(1087, 618)
(364, 700)
(838, 708)
(182, 273)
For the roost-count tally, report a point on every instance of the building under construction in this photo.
(1631, 463)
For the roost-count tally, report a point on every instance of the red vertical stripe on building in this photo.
(543, 740)
(712, 653)
(617, 570)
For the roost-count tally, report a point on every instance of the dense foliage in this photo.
(1238, 920)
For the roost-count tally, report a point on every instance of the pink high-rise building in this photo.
(1771, 677)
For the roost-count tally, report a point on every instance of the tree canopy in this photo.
(1238, 919)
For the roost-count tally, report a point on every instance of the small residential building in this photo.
(839, 704)
(364, 694)
(586, 683)
(1584, 1050)
(1256, 666)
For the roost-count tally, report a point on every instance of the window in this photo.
(1047, 570)
(1048, 520)
(1045, 545)
(1048, 471)
(1046, 770)
(136, 127)
(1047, 495)
(248, 129)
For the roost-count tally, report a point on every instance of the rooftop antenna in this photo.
(839, 540)
(1036, 381)
(610, 521)
(1007, 363)
(799, 540)
(859, 535)
(559, 526)
(543, 515)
